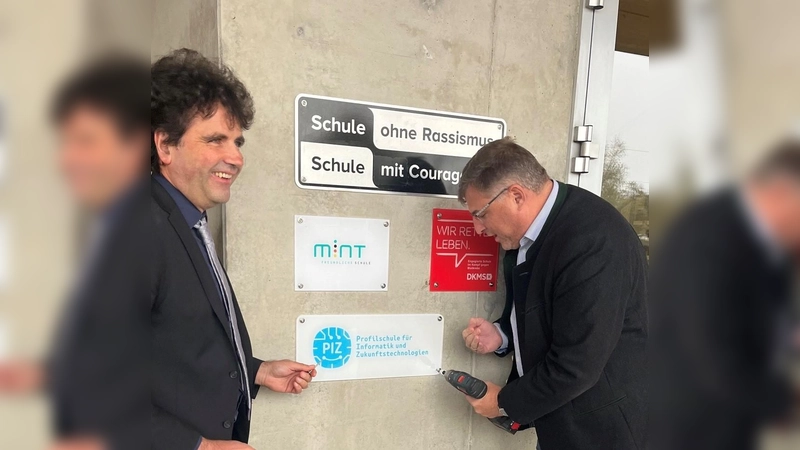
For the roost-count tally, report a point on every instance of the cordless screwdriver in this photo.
(476, 388)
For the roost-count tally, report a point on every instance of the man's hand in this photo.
(285, 376)
(481, 336)
(20, 377)
(206, 444)
(487, 406)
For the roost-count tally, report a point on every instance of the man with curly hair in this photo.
(204, 374)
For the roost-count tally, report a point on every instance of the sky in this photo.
(627, 116)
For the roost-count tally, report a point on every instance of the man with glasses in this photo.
(575, 318)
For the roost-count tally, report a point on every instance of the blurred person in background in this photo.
(721, 301)
(102, 114)
(204, 375)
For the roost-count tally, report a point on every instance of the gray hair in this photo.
(502, 161)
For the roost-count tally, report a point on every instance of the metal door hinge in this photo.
(583, 136)
(583, 133)
(595, 4)
(580, 164)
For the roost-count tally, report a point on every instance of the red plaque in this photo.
(461, 259)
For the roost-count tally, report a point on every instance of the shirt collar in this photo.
(541, 218)
(188, 210)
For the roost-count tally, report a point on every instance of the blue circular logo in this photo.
(332, 347)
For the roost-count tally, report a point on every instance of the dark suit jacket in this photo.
(195, 382)
(719, 295)
(582, 321)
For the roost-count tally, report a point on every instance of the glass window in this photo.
(626, 178)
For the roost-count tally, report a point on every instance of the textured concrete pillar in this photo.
(513, 59)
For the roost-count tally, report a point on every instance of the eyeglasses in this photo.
(481, 213)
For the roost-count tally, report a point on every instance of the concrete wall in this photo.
(185, 23)
(513, 59)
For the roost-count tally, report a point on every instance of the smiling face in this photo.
(206, 161)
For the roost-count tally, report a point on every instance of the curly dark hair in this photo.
(185, 84)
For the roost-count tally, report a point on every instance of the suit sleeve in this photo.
(504, 346)
(504, 327)
(255, 363)
(594, 278)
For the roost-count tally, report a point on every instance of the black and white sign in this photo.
(349, 145)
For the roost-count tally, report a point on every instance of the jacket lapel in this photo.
(509, 262)
(183, 231)
(521, 279)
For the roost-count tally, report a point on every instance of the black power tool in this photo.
(476, 388)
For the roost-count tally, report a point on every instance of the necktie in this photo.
(227, 299)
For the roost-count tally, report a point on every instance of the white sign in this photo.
(330, 161)
(341, 254)
(405, 131)
(357, 347)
